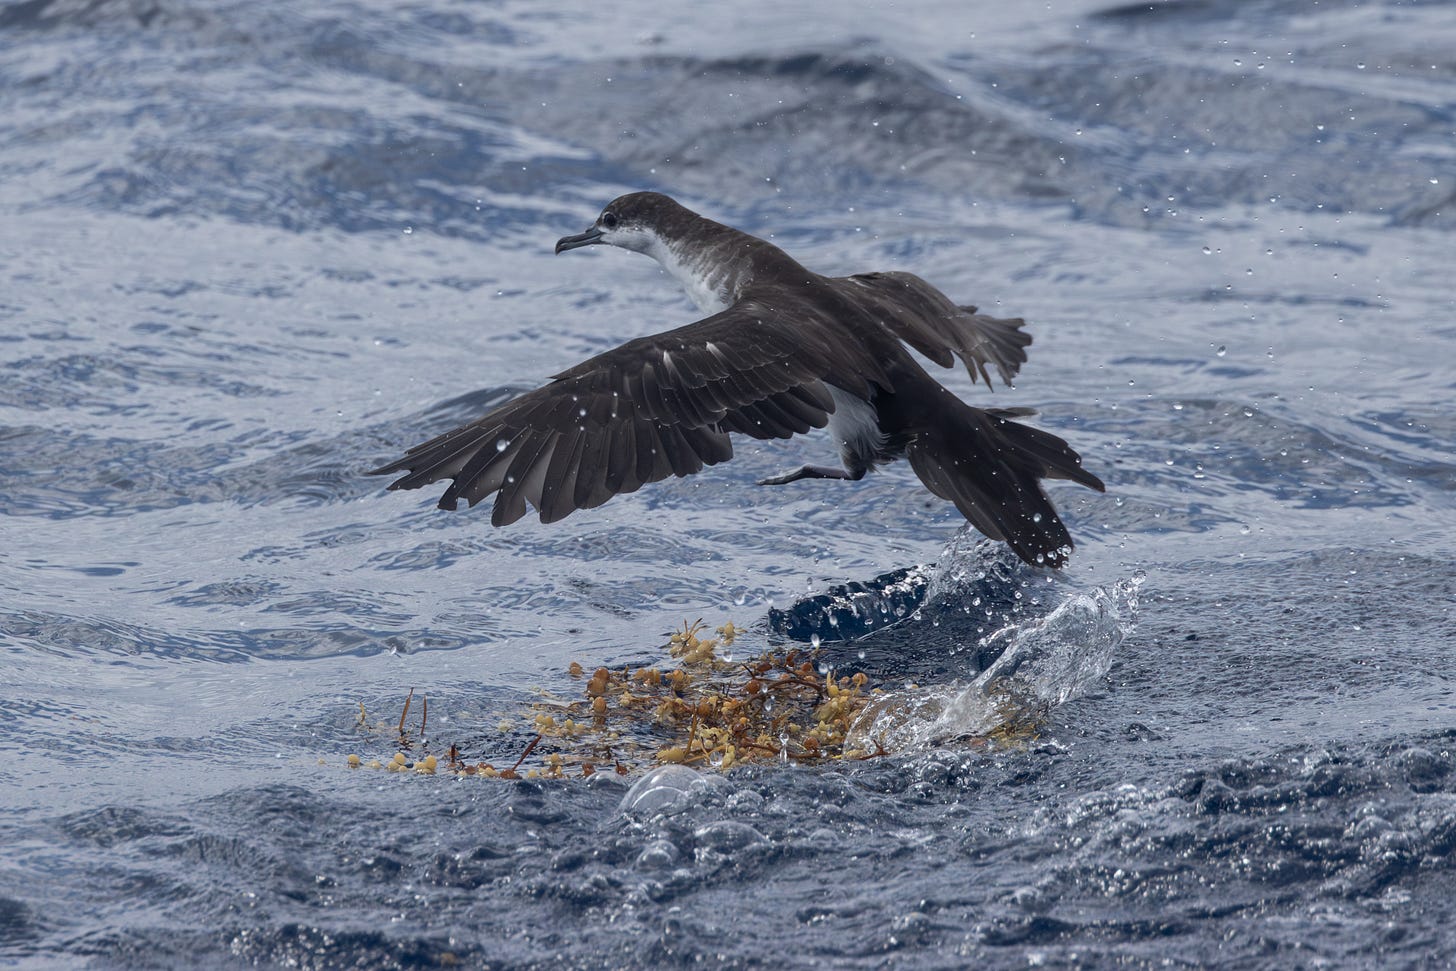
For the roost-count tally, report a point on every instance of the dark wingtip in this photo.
(1089, 480)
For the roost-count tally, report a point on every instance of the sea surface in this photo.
(249, 251)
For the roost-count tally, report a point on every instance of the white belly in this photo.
(855, 427)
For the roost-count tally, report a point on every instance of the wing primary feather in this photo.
(558, 484)
(521, 479)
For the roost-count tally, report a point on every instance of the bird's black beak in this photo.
(593, 235)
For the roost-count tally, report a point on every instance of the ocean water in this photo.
(250, 250)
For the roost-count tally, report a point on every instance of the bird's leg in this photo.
(812, 472)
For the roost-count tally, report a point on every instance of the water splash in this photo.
(1043, 663)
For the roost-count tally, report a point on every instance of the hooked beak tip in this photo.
(587, 238)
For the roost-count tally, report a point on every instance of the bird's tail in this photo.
(991, 467)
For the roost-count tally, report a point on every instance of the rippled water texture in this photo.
(250, 250)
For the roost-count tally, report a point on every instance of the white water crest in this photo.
(1044, 662)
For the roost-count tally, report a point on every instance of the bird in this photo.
(781, 350)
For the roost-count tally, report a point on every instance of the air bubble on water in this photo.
(814, 641)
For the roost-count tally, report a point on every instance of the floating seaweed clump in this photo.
(705, 710)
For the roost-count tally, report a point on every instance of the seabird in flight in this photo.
(781, 350)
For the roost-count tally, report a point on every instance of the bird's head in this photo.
(638, 221)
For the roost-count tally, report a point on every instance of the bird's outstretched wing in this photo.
(655, 407)
(923, 317)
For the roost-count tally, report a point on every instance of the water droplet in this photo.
(814, 641)
(1207, 251)
(1221, 350)
(501, 444)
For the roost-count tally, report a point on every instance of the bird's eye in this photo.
(609, 220)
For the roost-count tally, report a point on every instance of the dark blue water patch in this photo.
(61, 15)
(976, 579)
(107, 384)
(18, 925)
(1219, 448)
(1248, 849)
(65, 475)
(1345, 647)
(464, 407)
(246, 150)
(849, 611)
(1194, 123)
(271, 160)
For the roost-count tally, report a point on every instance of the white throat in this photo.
(705, 280)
